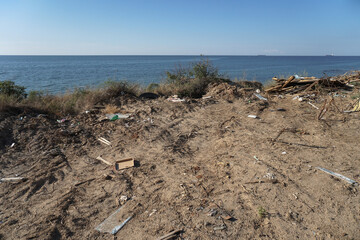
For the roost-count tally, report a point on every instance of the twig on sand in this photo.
(170, 235)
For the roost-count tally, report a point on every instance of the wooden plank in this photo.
(124, 163)
(290, 79)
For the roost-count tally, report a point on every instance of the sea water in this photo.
(58, 74)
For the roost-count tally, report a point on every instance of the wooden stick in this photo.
(170, 234)
(104, 161)
(11, 179)
(288, 81)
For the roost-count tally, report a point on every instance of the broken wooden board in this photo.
(124, 163)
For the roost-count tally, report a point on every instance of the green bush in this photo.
(10, 89)
(191, 81)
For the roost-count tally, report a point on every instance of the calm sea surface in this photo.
(61, 73)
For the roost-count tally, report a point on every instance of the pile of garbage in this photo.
(296, 84)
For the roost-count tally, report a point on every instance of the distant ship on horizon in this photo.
(330, 55)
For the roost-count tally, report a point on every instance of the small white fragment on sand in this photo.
(283, 153)
(153, 211)
(313, 105)
(252, 116)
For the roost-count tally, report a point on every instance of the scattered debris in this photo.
(300, 99)
(338, 176)
(123, 199)
(12, 145)
(89, 180)
(153, 211)
(206, 97)
(313, 105)
(260, 97)
(124, 163)
(103, 160)
(273, 181)
(103, 140)
(61, 120)
(170, 235)
(10, 179)
(283, 153)
(253, 116)
(222, 227)
(356, 107)
(175, 98)
(116, 116)
(296, 84)
(109, 224)
(212, 212)
(229, 218)
(326, 107)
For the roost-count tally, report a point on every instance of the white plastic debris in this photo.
(260, 97)
(338, 176)
(253, 116)
(119, 115)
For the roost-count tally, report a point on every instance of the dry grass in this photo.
(71, 102)
(110, 108)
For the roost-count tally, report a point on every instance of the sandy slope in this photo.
(196, 160)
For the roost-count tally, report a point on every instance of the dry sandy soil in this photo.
(195, 166)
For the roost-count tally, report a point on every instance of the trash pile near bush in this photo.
(296, 84)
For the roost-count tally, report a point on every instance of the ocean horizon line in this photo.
(170, 55)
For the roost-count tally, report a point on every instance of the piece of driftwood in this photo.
(11, 179)
(273, 181)
(313, 105)
(103, 140)
(296, 84)
(89, 180)
(170, 235)
(104, 161)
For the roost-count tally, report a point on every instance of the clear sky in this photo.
(181, 27)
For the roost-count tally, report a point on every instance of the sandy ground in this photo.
(195, 169)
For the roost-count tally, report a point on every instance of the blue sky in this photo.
(156, 27)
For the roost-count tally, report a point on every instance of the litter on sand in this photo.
(10, 179)
(356, 107)
(338, 176)
(313, 105)
(103, 160)
(170, 235)
(124, 163)
(206, 97)
(111, 224)
(103, 140)
(260, 97)
(116, 116)
(175, 98)
(253, 116)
